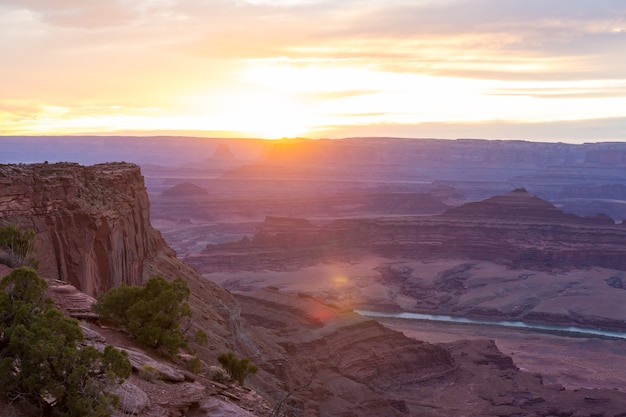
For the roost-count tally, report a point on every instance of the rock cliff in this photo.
(335, 362)
(93, 232)
(92, 223)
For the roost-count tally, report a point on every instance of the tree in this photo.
(40, 358)
(152, 314)
(237, 368)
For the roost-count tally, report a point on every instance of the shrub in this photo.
(237, 368)
(151, 314)
(40, 361)
(18, 246)
(201, 338)
(218, 374)
(148, 373)
(195, 365)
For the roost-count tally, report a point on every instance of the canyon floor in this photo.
(574, 362)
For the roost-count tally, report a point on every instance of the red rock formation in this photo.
(347, 365)
(92, 223)
(352, 363)
(517, 229)
(93, 232)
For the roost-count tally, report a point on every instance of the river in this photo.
(502, 323)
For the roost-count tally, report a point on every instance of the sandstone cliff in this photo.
(93, 231)
(92, 223)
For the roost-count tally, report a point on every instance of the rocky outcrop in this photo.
(185, 191)
(92, 223)
(93, 233)
(133, 400)
(335, 362)
(519, 206)
(75, 303)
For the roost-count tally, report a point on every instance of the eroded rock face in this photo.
(93, 233)
(336, 362)
(339, 364)
(92, 223)
(516, 229)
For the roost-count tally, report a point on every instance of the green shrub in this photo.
(40, 361)
(218, 374)
(151, 314)
(237, 368)
(195, 365)
(148, 373)
(201, 338)
(18, 246)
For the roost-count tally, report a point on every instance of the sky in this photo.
(548, 70)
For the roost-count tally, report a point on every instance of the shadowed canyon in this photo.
(280, 242)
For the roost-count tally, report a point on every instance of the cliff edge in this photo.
(93, 231)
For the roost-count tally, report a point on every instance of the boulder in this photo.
(214, 407)
(133, 400)
(165, 372)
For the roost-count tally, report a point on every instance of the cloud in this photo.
(169, 53)
(477, 38)
(591, 130)
(78, 13)
(333, 95)
(565, 92)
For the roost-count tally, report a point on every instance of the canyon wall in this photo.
(93, 231)
(516, 229)
(92, 223)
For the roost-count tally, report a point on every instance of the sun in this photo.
(271, 117)
(250, 113)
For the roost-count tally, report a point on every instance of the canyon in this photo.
(513, 256)
(279, 251)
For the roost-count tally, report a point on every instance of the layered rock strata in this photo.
(517, 229)
(336, 363)
(93, 233)
(92, 223)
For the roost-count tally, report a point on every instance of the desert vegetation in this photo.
(237, 368)
(42, 361)
(17, 246)
(152, 314)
